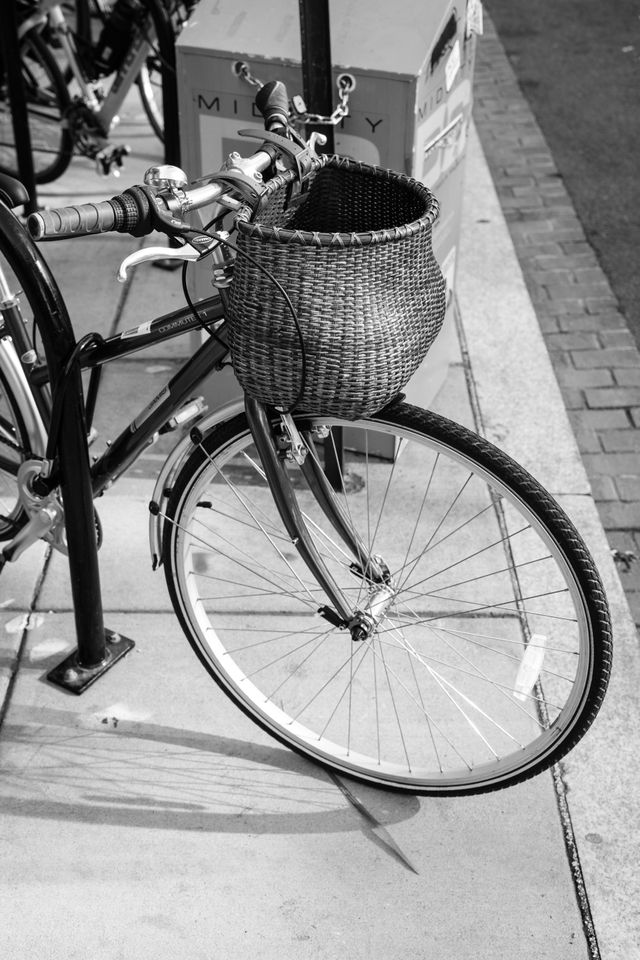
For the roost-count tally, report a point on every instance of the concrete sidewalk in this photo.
(149, 818)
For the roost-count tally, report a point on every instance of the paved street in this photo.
(578, 65)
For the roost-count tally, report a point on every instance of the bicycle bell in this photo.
(165, 176)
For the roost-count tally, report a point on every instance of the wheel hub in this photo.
(366, 620)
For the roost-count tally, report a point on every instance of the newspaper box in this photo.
(410, 110)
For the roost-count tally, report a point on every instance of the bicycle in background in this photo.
(76, 78)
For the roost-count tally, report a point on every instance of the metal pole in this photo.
(317, 79)
(318, 91)
(166, 46)
(98, 648)
(83, 19)
(21, 137)
(167, 49)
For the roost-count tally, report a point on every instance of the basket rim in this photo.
(248, 227)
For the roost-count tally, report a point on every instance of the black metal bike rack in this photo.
(10, 48)
(97, 648)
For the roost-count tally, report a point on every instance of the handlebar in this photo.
(144, 208)
(128, 212)
(138, 211)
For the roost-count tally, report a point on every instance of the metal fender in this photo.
(170, 470)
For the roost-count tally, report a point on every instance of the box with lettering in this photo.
(410, 110)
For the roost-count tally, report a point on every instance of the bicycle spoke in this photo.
(442, 520)
(268, 640)
(301, 646)
(516, 642)
(465, 559)
(347, 691)
(250, 567)
(430, 719)
(261, 527)
(484, 576)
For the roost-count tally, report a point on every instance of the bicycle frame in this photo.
(142, 429)
(107, 110)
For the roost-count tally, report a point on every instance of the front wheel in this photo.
(491, 646)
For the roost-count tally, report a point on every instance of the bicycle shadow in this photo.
(59, 765)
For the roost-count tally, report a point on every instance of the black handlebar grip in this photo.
(129, 212)
(80, 221)
(272, 100)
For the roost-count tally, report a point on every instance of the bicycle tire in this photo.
(437, 701)
(47, 100)
(149, 82)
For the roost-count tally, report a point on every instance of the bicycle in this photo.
(431, 623)
(75, 86)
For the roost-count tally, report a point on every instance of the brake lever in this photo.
(190, 252)
(187, 252)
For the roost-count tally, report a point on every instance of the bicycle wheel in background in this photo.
(149, 83)
(47, 100)
(149, 79)
(492, 646)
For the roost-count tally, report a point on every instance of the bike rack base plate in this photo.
(74, 677)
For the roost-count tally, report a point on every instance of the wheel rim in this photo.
(11, 456)
(482, 659)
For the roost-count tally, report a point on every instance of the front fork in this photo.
(372, 569)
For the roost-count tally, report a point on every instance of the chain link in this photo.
(241, 69)
(345, 83)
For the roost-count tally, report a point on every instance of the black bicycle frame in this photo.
(126, 447)
(141, 431)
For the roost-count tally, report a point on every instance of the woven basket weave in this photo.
(353, 251)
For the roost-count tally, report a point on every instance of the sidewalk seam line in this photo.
(37, 590)
(575, 866)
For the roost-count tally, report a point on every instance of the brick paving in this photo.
(595, 357)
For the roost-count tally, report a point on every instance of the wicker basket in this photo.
(353, 251)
